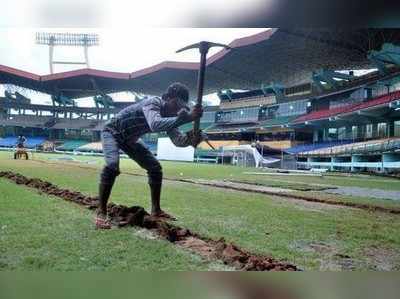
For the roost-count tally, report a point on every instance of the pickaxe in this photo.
(203, 46)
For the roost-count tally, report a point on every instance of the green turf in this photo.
(181, 170)
(256, 222)
(212, 171)
(38, 232)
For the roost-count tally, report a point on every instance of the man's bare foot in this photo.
(102, 221)
(163, 215)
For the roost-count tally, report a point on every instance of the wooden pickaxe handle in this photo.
(203, 46)
(200, 86)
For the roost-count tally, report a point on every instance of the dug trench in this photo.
(257, 188)
(121, 216)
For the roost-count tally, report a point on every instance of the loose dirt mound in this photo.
(121, 215)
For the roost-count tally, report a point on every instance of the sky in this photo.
(130, 14)
(121, 49)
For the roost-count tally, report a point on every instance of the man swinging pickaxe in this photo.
(203, 46)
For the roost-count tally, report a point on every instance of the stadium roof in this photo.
(383, 100)
(287, 56)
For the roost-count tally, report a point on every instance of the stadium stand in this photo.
(326, 113)
(373, 156)
(299, 149)
(32, 142)
(276, 122)
(28, 121)
(313, 115)
(366, 147)
(99, 126)
(94, 147)
(217, 144)
(189, 126)
(71, 145)
(75, 124)
(8, 142)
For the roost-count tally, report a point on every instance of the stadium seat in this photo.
(326, 113)
(75, 124)
(71, 145)
(28, 121)
(31, 142)
(8, 142)
(364, 147)
(315, 146)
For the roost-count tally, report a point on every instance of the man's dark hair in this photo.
(177, 90)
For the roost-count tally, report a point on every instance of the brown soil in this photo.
(383, 259)
(330, 257)
(121, 216)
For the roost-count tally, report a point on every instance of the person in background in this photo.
(21, 141)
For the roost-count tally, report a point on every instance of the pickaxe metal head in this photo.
(203, 46)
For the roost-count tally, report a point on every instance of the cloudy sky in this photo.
(120, 49)
(133, 34)
(123, 50)
(128, 13)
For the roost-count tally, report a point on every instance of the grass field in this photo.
(42, 232)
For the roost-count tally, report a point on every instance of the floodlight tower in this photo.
(67, 39)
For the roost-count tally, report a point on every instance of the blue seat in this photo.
(315, 146)
(31, 142)
(8, 141)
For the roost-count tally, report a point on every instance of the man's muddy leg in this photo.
(143, 156)
(110, 170)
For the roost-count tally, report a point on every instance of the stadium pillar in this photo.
(396, 128)
(349, 132)
(361, 132)
(325, 134)
(374, 130)
(86, 55)
(51, 51)
(390, 128)
(315, 136)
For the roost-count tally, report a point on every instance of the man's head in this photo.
(177, 98)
